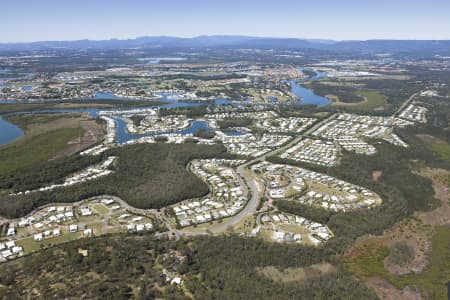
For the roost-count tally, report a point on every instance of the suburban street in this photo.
(252, 204)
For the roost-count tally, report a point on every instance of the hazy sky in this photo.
(37, 20)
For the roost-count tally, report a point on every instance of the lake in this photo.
(8, 132)
(307, 96)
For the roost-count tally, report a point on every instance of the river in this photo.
(308, 96)
(10, 132)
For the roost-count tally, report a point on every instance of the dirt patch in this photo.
(3, 220)
(420, 243)
(387, 291)
(295, 274)
(92, 133)
(338, 102)
(428, 138)
(416, 232)
(413, 232)
(440, 215)
(376, 175)
(333, 98)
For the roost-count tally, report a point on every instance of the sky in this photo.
(45, 20)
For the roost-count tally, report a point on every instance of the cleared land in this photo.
(100, 103)
(296, 274)
(442, 149)
(427, 272)
(432, 281)
(47, 137)
(372, 100)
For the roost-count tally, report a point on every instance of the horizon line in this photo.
(221, 35)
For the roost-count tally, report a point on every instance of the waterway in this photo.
(10, 132)
(157, 60)
(124, 136)
(109, 96)
(307, 96)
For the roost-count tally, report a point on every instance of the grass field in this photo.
(372, 100)
(245, 225)
(100, 208)
(295, 274)
(28, 151)
(206, 226)
(25, 122)
(432, 281)
(30, 245)
(46, 136)
(98, 103)
(441, 149)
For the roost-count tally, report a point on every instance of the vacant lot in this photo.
(442, 149)
(428, 234)
(432, 281)
(296, 274)
(98, 103)
(372, 100)
(47, 137)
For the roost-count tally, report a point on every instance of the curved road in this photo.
(246, 181)
(252, 204)
(250, 207)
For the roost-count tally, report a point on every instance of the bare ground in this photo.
(416, 232)
(387, 291)
(441, 215)
(376, 175)
(418, 239)
(93, 133)
(296, 274)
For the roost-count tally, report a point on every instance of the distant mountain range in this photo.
(236, 42)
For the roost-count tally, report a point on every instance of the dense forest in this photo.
(234, 122)
(190, 111)
(204, 134)
(127, 266)
(146, 176)
(346, 94)
(45, 172)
